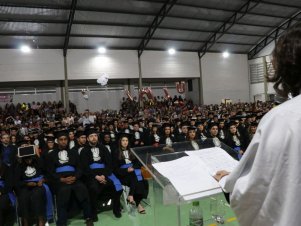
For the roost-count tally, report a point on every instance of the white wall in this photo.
(225, 78)
(98, 100)
(222, 78)
(89, 64)
(159, 64)
(36, 65)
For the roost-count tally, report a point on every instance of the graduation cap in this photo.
(212, 124)
(80, 133)
(191, 128)
(255, 124)
(185, 124)
(166, 125)
(121, 135)
(106, 133)
(23, 142)
(199, 123)
(50, 138)
(110, 123)
(232, 123)
(221, 120)
(14, 128)
(156, 125)
(26, 151)
(71, 129)
(61, 133)
(90, 131)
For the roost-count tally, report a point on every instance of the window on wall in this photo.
(256, 73)
(270, 69)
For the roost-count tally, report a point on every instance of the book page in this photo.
(214, 159)
(189, 177)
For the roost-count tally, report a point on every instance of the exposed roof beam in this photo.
(273, 35)
(279, 4)
(112, 48)
(155, 24)
(136, 26)
(226, 26)
(68, 30)
(219, 9)
(264, 2)
(97, 23)
(121, 37)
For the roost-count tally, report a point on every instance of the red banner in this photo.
(5, 98)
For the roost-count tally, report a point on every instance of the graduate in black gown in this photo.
(34, 196)
(167, 137)
(192, 137)
(7, 151)
(81, 140)
(7, 198)
(128, 170)
(65, 173)
(109, 144)
(236, 140)
(97, 168)
(154, 137)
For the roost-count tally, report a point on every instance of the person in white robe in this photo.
(265, 186)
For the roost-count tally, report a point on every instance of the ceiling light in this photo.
(226, 54)
(25, 49)
(102, 50)
(171, 51)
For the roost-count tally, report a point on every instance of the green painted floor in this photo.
(160, 215)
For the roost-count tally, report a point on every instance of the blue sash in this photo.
(112, 177)
(137, 171)
(66, 168)
(49, 204)
(97, 165)
(11, 195)
(237, 149)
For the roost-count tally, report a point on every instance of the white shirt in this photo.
(265, 186)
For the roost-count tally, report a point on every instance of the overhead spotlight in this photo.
(25, 49)
(171, 51)
(226, 54)
(102, 50)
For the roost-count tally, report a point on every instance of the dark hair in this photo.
(120, 155)
(287, 63)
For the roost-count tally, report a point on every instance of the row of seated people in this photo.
(82, 173)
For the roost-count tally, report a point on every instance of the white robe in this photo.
(266, 186)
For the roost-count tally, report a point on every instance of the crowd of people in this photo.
(86, 157)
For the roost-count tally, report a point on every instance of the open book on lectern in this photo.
(192, 175)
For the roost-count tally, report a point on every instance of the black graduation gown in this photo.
(139, 188)
(6, 210)
(138, 139)
(8, 154)
(181, 137)
(31, 200)
(154, 139)
(64, 192)
(163, 139)
(99, 155)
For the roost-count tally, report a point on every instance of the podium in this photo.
(169, 207)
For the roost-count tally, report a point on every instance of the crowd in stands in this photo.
(81, 156)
